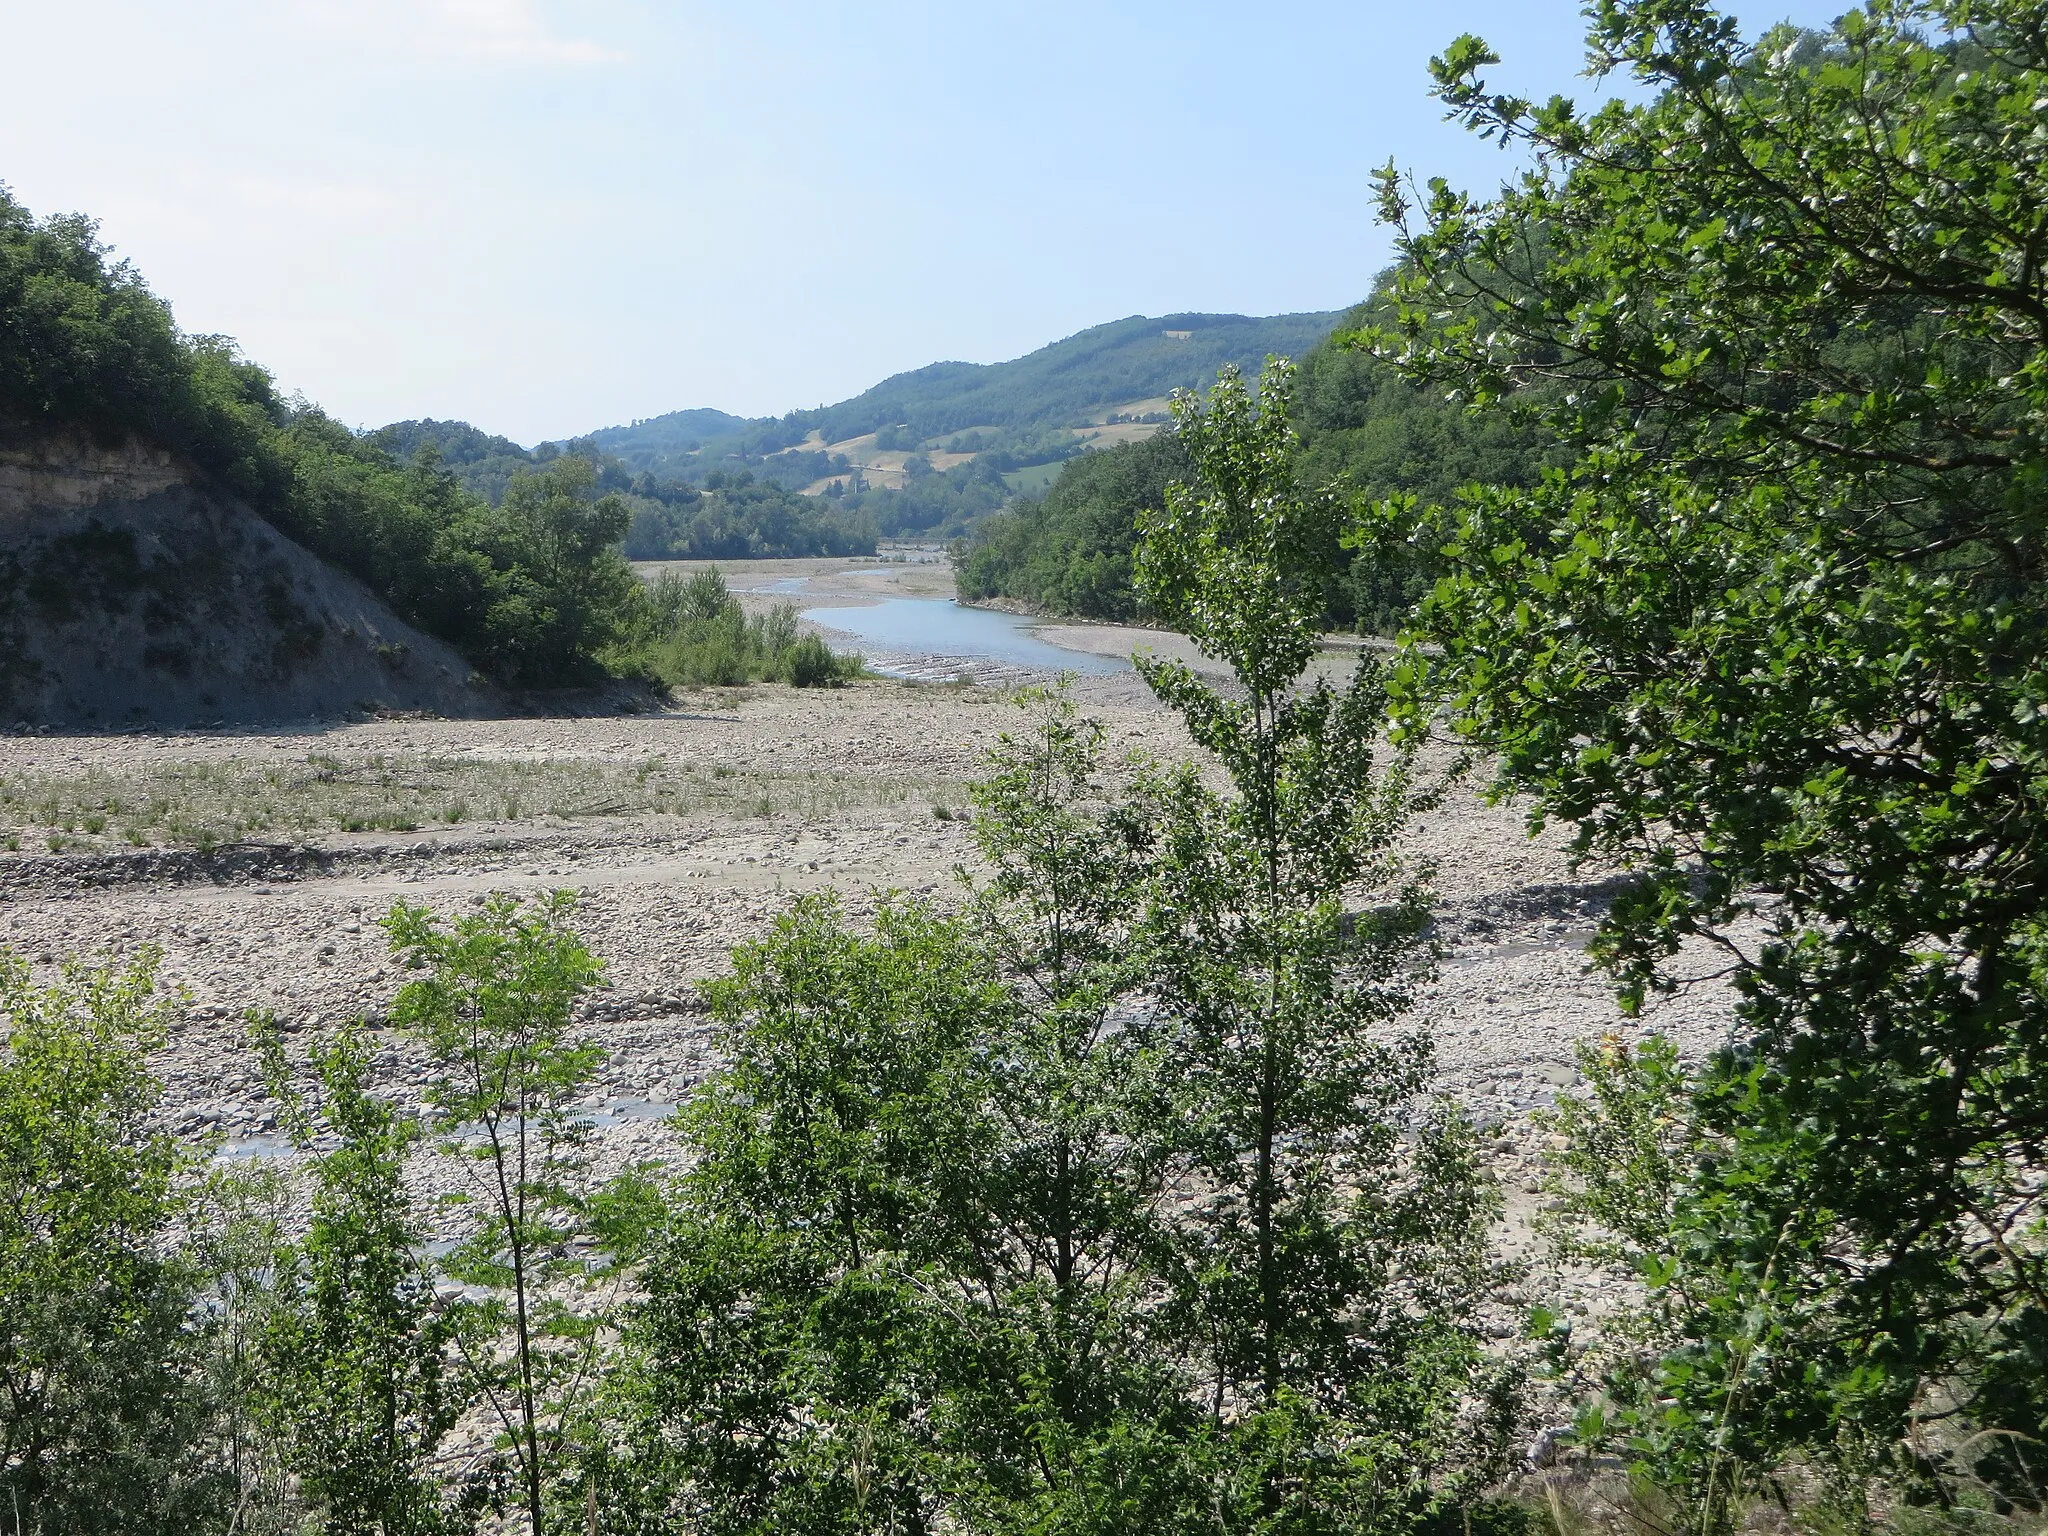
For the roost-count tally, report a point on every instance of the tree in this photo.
(493, 1012)
(1774, 638)
(353, 1379)
(103, 1414)
(782, 1363)
(534, 592)
(1067, 1407)
(576, 595)
(906, 1281)
(1329, 1273)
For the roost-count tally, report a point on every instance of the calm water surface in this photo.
(938, 626)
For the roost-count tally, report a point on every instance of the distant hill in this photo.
(921, 453)
(1066, 384)
(677, 433)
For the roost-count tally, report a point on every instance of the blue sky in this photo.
(545, 218)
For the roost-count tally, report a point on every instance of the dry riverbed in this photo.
(260, 863)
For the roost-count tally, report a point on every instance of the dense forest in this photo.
(1112, 1196)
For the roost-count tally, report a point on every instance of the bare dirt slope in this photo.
(132, 595)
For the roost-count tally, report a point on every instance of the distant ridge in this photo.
(1136, 359)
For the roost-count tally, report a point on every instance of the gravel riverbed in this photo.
(836, 789)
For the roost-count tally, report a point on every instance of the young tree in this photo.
(1065, 1407)
(232, 1240)
(102, 1409)
(493, 1012)
(905, 1283)
(1329, 1270)
(782, 1364)
(353, 1380)
(1776, 639)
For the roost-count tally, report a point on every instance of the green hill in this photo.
(929, 451)
(1361, 427)
(1063, 384)
(1060, 385)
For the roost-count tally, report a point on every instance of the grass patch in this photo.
(203, 805)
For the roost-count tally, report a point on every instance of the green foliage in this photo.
(1362, 429)
(781, 1346)
(354, 1383)
(493, 1014)
(907, 1277)
(1630, 1144)
(1372, 432)
(1773, 637)
(565, 590)
(697, 635)
(737, 517)
(810, 663)
(103, 1413)
(1330, 1275)
(1071, 551)
(946, 501)
(1074, 1410)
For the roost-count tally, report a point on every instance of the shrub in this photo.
(697, 636)
(811, 664)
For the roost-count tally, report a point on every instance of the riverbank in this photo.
(946, 640)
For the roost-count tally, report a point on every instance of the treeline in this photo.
(736, 517)
(1070, 551)
(1362, 430)
(723, 516)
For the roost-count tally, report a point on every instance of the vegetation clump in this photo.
(1772, 636)
(700, 636)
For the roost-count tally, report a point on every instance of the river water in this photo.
(938, 626)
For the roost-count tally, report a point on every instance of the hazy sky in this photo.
(545, 218)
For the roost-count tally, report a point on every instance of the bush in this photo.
(103, 1409)
(698, 636)
(811, 664)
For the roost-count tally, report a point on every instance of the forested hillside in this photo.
(729, 515)
(531, 590)
(932, 450)
(1059, 385)
(1361, 428)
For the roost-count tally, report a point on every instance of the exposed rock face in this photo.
(133, 594)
